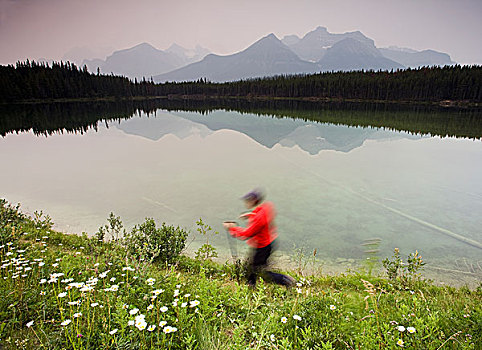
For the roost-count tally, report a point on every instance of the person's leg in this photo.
(258, 260)
(281, 279)
(277, 278)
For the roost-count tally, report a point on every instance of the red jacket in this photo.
(261, 229)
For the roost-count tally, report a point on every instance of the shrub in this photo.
(10, 220)
(404, 272)
(206, 251)
(163, 244)
(114, 229)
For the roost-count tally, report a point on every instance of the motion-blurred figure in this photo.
(261, 235)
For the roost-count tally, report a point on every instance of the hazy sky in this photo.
(52, 28)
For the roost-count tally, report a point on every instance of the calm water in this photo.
(334, 186)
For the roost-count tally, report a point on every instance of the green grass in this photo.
(208, 304)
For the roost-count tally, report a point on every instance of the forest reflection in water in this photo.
(72, 117)
(163, 158)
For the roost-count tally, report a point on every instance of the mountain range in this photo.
(317, 51)
(145, 61)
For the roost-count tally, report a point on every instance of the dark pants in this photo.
(258, 263)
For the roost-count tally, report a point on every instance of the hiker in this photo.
(261, 235)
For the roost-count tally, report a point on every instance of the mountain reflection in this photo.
(310, 125)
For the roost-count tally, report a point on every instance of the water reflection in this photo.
(310, 136)
(334, 185)
(46, 119)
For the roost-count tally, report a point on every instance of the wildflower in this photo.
(297, 318)
(174, 303)
(96, 264)
(284, 319)
(141, 323)
(130, 323)
(150, 307)
(94, 304)
(104, 274)
(176, 292)
(79, 335)
(332, 307)
(77, 285)
(133, 311)
(42, 281)
(169, 329)
(400, 342)
(29, 324)
(40, 264)
(150, 281)
(272, 337)
(78, 314)
(183, 304)
(63, 294)
(299, 290)
(92, 281)
(67, 280)
(151, 328)
(55, 265)
(125, 306)
(42, 292)
(74, 302)
(187, 295)
(140, 317)
(127, 268)
(112, 279)
(114, 288)
(401, 328)
(162, 323)
(194, 303)
(114, 331)
(86, 289)
(411, 330)
(65, 323)
(163, 309)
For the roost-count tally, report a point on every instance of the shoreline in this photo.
(447, 104)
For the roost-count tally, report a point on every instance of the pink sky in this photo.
(51, 28)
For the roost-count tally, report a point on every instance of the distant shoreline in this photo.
(449, 104)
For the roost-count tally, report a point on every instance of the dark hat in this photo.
(256, 195)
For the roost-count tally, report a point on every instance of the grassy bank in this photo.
(67, 291)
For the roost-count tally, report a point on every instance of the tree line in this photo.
(32, 80)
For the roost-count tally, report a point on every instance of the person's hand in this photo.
(245, 216)
(228, 225)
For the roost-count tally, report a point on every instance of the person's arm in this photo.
(254, 227)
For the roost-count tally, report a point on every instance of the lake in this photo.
(338, 176)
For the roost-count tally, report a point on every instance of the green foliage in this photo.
(10, 220)
(114, 229)
(48, 279)
(41, 220)
(405, 273)
(163, 244)
(206, 251)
